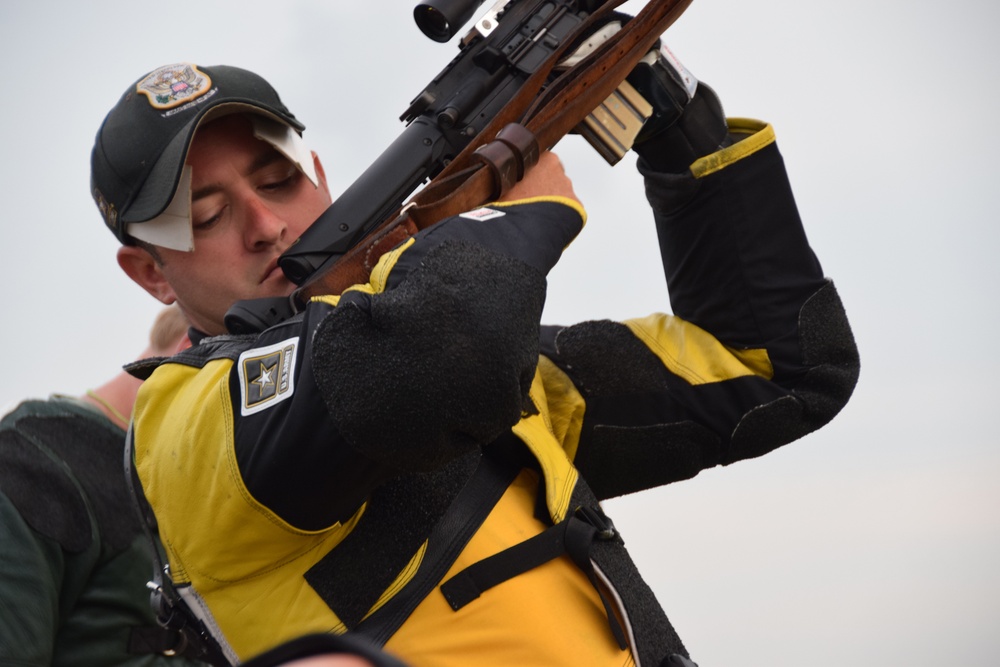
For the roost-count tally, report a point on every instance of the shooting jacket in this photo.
(298, 489)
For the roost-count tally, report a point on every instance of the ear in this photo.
(321, 175)
(140, 266)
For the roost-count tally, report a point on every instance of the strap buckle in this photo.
(604, 526)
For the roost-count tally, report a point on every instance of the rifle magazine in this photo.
(612, 127)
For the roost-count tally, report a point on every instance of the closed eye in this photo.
(209, 223)
(286, 179)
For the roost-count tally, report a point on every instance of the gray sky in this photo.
(875, 541)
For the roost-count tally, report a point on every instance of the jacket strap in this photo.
(447, 540)
(573, 536)
(180, 632)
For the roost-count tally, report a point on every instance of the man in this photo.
(73, 557)
(417, 460)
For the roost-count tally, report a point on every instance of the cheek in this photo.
(307, 210)
(186, 271)
(198, 277)
(213, 253)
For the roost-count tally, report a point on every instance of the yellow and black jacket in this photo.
(420, 461)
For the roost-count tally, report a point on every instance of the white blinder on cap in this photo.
(172, 228)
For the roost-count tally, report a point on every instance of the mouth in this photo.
(272, 272)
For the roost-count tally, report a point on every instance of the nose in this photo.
(262, 228)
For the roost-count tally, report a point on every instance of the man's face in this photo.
(248, 204)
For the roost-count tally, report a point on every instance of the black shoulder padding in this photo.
(94, 452)
(43, 493)
(441, 364)
(49, 453)
(829, 350)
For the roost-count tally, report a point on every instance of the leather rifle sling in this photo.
(529, 124)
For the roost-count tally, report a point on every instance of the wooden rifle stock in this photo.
(509, 145)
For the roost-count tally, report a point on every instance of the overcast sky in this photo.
(875, 541)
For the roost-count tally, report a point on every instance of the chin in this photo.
(276, 285)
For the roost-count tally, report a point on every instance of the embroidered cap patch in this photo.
(172, 85)
(267, 376)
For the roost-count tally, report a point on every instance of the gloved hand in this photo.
(687, 122)
(435, 355)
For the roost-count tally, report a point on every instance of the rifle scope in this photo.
(442, 19)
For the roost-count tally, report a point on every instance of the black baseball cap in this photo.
(140, 149)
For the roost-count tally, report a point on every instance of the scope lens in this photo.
(441, 19)
(432, 23)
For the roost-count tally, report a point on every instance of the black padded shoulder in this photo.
(56, 460)
(439, 365)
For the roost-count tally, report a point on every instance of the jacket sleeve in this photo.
(757, 353)
(429, 360)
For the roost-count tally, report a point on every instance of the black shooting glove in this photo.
(435, 355)
(687, 122)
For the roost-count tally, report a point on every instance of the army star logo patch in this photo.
(267, 376)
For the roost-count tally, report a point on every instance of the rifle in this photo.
(474, 131)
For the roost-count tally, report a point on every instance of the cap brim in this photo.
(160, 185)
